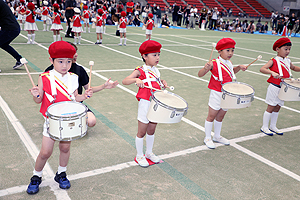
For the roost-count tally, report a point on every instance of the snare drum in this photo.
(166, 107)
(289, 91)
(236, 95)
(66, 120)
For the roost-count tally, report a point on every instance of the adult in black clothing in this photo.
(69, 5)
(83, 80)
(280, 24)
(136, 21)
(10, 29)
(175, 14)
(291, 24)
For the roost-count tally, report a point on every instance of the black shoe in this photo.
(33, 187)
(18, 65)
(61, 178)
(69, 36)
(98, 42)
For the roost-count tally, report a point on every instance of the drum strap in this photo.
(155, 76)
(279, 65)
(231, 72)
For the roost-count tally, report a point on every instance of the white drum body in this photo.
(67, 120)
(166, 107)
(289, 91)
(236, 95)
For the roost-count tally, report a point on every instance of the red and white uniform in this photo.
(105, 15)
(76, 24)
(123, 22)
(149, 27)
(22, 9)
(30, 24)
(86, 16)
(282, 67)
(56, 25)
(99, 25)
(45, 11)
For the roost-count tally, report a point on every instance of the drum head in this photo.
(238, 88)
(295, 83)
(170, 99)
(66, 109)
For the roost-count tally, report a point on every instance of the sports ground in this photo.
(101, 166)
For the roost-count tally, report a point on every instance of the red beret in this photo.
(100, 11)
(22, 1)
(150, 15)
(280, 42)
(104, 8)
(225, 43)
(85, 7)
(56, 5)
(149, 46)
(30, 6)
(123, 14)
(61, 49)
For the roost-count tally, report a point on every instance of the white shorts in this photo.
(56, 27)
(86, 20)
(45, 17)
(77, 29)
(143, 111)
(122, 30)
(30, 27)
(148, 32)
(272, 96)
(215, 100)
(99, 29)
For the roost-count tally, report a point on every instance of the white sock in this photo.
(266, 119)
(121, 40)
(39, 174)
(29, 36)
(149, 143)
(47, 27)
(89, 29)
(84, 29)
(273, 122)
(54, 38)
(58, 37)
(75, 39)
(33, 37)
(101, 40)
(104, 29)
(124, 40)
(98, 41)
(217, 129)
(61, 169)
(44, 26)
(139, 144)
(208, 128)
(79, 39)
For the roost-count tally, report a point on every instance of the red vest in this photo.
(29, 16)
(150, 25)
(123, 22)
(284, 66)
(45, 10)
(145, 93)
(57, 18)
(226, 74)
(76, 22)
(86, 14)
(100, 21)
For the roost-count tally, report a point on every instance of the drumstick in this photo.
(91, 63)
(24, 61)
(258, 58)
(165, 91)
(212, 50)
(171, 87)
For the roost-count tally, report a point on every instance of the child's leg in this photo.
(121, 39)
(273, 121)
(150, 137)
(58, 35)
(45, 153)
(266, 118)
(209, 121)
(218, 123)
(64, 155)
(124, 34)
(79, 38)
(44, 25)
(54, 35)
(142, 129)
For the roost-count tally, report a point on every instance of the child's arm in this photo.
(239, 67)
(81, 97)
(207, 67)
(265, 69)
(107, 85)
(294, 68)
(133, 78)
(37, 91)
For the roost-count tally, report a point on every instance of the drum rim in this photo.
(291, 86)
(67, 138)
(66, 117)
(170, 107)
(238, 95)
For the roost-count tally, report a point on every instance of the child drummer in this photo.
(279, 67)
(225, 48)
(146, 75)
(61, 55)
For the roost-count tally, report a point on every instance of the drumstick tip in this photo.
(23, 61)
(259, 57)
(172, 88)
(213, 44)
(91, 63)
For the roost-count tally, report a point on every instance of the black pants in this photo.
(6, 37)
(69, 27)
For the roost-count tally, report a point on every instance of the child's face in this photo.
(62, 65)
(226, 54)
(151, 59)
(283, 51)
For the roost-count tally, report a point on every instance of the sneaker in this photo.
(18, 65)
(28, 42)
(153, 157)
(209, 143)
(61, 178)
(266, 131)
(275, 130)
(142, 161)
(221, 140)
(33, 187)
(78, 42)
(124, 44)
(120, 44)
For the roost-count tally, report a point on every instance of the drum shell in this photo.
(288, 92)
(235, 101)
(67, 128)
(161, 113)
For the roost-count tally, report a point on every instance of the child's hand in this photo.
(275, 75)
(88, 93)
(164, 83)
(109, 84)
(243, 67)
(208, 66)
(139, 83)
(35, 91)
